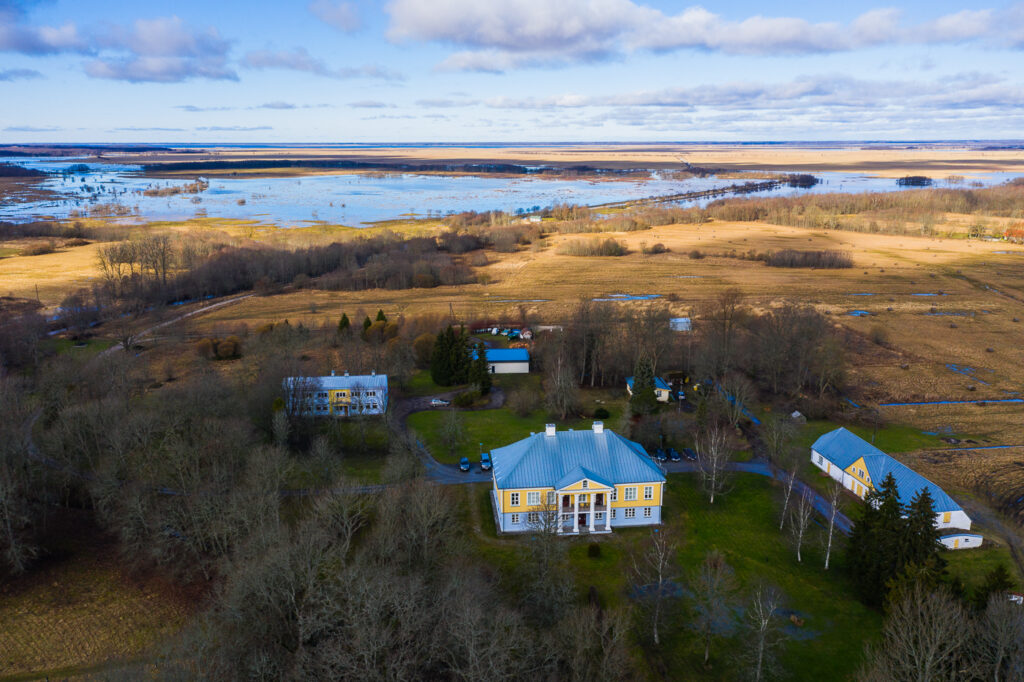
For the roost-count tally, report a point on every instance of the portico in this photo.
(584, 508)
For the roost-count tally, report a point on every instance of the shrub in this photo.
(594, 550)
(523, 401)
(593, 247)
(229, 348)
(791, 258)
(466, 398)
(879, 335)
(655, 249)
(696, 254)
(39, 249)
(601, 413)
(204, 348)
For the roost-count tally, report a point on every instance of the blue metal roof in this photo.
(543, 461)
(658, 383)
(843, 448)
(505, 354)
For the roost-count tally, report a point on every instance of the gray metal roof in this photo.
(543, 461)
(843, 448)
(334, 383)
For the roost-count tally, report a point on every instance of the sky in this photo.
(338, 71)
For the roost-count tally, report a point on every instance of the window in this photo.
(586, 484)
(946, 516)
(615, 495)
(514, 501)
(613, 513)
(630, 513)
(567, 517)
(599, 516)
(820, 460)
(648, 492)
(371, 394)
(533, 518)
(515, 519)
(551, 498)
(629, 494)
(647, 512)
(533, 499)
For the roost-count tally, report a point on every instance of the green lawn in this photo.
(893, 438)
(972, 564)
(89, 347)
(421, 384)
(742, 525)
(492, 428)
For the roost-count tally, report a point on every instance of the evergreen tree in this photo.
(366, 323)
(921, 541)
(459, 354)
(440, 359)
(344, 324)
(997, 581)
(479, 370)
(380, 315)
(644, 400)
(874, 551)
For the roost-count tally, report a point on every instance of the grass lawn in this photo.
(972, 564)
(421, 384)
(492, 428)
(88, 347)
(893, 438)
(743, 526)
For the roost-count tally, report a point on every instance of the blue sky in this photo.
(510, 70)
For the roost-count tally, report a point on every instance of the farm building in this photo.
(575, 482)
(506, 360)
(680, 324)
(661, 389)
(337, 396)
(857, 464)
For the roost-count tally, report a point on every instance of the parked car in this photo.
(485, 461)
(437, 402)
(690, 454)
(674, 455)
(660, 454)
(464, 464)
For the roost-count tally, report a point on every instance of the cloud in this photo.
(16, 35)
(192, 108)
(232, 129)
(19, 74)
(443, 103)
(370, 104)
(137, 129)
(162, 50)
(31, 129)
(496, 37)
(276, 105)
(298, 59)
(341, 15)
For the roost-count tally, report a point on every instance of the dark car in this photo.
(464, 464)
(485, 462)
(660, 454)
(690, 454)
(674, 455)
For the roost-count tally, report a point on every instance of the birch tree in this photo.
(713, 455)
(653, 571)
(762, 620)
(835, 498)
(800, 518)
(713, 589)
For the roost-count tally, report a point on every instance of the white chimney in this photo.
(598, 427)
(346, 372)
(549, 430)
(332, 372)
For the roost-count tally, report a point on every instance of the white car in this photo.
(437, 402)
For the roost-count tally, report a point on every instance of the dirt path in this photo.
(166, 323)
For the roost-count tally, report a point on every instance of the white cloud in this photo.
(498, 36)
(19, 74)
(341, 15)
(299, 59)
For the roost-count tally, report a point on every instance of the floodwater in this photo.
(360, 199)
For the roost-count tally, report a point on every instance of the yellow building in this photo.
(574, 482)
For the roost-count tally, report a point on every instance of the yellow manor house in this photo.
(575, 482)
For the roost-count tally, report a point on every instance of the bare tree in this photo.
(560, 388)
(714, 452)
(800, 518)
(835, 498)
(596, 645)
(999, 640)
(653, 573)
(762, 619)
(923, 638)
(453, 431)
(713, 589)
(737, 393)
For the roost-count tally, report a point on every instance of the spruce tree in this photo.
(344, 324)
(997, 581)
(440, 359)
(479, 371)
(380, 315)
(366, 323)
(459, 354)
(644, 400)
(921, 536)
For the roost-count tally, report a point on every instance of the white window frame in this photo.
(630, 513)
(515, 519)
(585, 485)
(566, 517)
(820, 459)
(513, 499)
(533, 498)
(615, 495)
(613, 513)
(552, 498)
(648, 492)
(629, 493)
(647, 512)
(532, 518)
(599, 516)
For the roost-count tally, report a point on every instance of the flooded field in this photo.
(77, 186)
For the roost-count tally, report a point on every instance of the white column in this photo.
(593, 511)
(607, 511)
(558, 515)
(576, 513)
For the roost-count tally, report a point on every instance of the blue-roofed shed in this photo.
(661, 389)
(506, 360)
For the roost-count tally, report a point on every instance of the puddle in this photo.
(861, 294)
(859, 313)
(629, 297)
(955, 402)
(936, 294)
(968, 372)
(520, 300)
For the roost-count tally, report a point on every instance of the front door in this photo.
(598, 498)
(583, 520)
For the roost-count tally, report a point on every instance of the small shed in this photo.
(506, 360)
(680, 324)
(961, 540)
